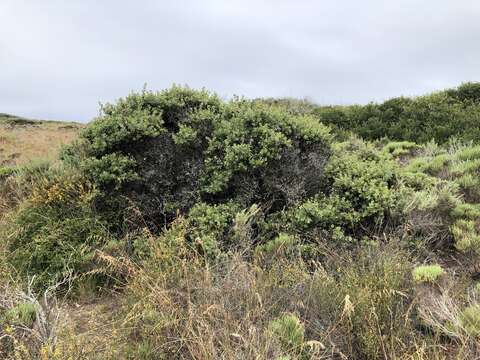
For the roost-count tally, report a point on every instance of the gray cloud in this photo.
(59, 58)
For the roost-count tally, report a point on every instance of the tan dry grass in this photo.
(20, 145)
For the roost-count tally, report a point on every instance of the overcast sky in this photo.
(60, 58)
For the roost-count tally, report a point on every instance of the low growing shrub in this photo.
(470, 320)
(55, 232)
(22, 314)
(289, 330)
(466, 236)
(427, 273)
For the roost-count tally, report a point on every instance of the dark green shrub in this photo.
(466, 92)
(153, 156)
(439, 116)
(168, 151)
(338, 117)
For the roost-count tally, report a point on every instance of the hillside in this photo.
(25, 140)
(180, 225)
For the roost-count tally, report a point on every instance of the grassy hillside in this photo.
(178, 225)
(24, 140)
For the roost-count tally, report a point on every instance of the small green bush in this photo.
(210, 224)
(469, 153)
(279, 246)
(434, 166)
(362, 190)
(400, 148)
(466, 236)
(23, 314)
(289, 330)
(466, 211)
(440, 199)
(6, 171)
(465, 167)
(469, 319)
(427, 273)
(417, 181)
(470, 186)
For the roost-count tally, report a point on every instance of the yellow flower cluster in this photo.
(60, 190)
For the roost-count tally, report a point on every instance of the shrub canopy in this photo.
(167, 151)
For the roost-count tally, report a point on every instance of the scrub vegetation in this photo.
(177, 225)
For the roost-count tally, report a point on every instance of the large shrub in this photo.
(168, 151)
(152, 157)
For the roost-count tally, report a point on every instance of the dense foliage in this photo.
(438, 116)
(168, 151)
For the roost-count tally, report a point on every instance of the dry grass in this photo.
(25, 142)
(21, 144)
(178, 306)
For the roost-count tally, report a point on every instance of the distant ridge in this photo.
(14, 120)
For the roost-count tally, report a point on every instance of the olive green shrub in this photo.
(170, 150)
(362, 194)
(470, 320)
(55, 232)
